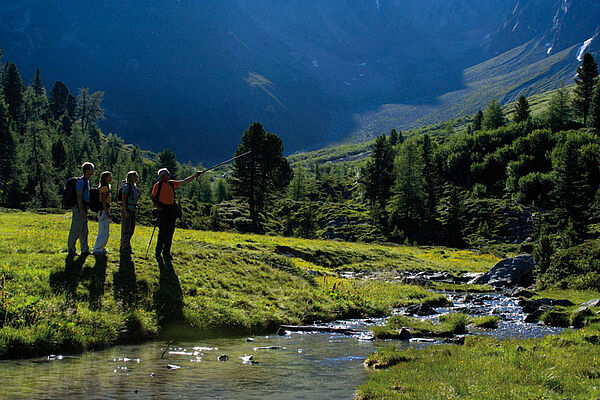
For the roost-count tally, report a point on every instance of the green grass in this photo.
(550, 368)
(222, 282)
(450, 324)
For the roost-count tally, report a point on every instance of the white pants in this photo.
(103, 232)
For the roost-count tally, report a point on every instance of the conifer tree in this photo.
(40, 182)
(407, 205)
(493, 117)
(430, 173)
(58, 99)
(297, 189)
(393, 137)
(261, 174)
(522, 112)
(594, 121)
(167, 159)
(8, 155)
(450, 215)
(37, 84)
(477, 121)
(559, 112)
(587, 74)
(13, 95)
(378, 176)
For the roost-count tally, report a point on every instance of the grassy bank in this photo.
(556, 367)
(218, 281)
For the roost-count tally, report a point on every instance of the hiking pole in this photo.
(151, 236)
(225, 162)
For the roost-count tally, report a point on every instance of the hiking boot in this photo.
(85, 253)
(71, 253)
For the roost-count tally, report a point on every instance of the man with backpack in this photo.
(163, 197)
(79, 227)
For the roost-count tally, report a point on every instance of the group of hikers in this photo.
(163, 197)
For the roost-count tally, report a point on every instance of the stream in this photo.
(296, 365)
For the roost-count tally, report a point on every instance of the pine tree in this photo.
(58, 99)
(37, 84)
(522, 112)
(297, 187)
(587, 74)
(167, 159)
(571, 187)
(430, 173)
(493, 117)
(262, 173)
(477, 121)
(393, 138)
(378, 176)
(409, 196)
(450, 215)
(40, 182)
(89, 109)
(8, 156)
(594, 114)
(13, 95)
(559, 112)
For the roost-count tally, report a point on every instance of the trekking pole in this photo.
(151, 236)
(225, 162)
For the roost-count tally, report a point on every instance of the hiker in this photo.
(79, 227)
(163, 197)
(129, 199)
(104, 216)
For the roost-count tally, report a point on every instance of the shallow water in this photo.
(306, 365)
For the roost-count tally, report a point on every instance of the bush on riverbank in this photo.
(554, 367)
(218, 281)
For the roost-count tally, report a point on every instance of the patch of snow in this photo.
(487, 36)
(377, 4)
(315, 63)
(516, 26)
(582, 48)
(549, 50)
(362, 64)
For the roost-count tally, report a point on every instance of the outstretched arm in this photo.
(189, 178)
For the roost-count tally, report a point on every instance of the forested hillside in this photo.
(504, 177)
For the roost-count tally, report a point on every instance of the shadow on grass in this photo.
(126, 290)
(68, 279)
(168, 297)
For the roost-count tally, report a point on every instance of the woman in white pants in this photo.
(104, 214)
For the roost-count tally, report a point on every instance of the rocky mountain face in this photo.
(555, 24)
(192, 75)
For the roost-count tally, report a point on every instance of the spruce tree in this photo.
(13, 95)
(522, 112)
(559, 112)
(594, 121)
(378, 176)
(584, 86)
(40, 173)
(450, 215)
(261, 174)
(297, 189)
(37, 84)
(393, 138)
(8, 156)
(477, 121)
(430, 173)
(167, 159)
(58, 99)
(407, 205)
(493, 117)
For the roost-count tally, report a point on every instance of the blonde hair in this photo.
(130, 176)
(103, 177)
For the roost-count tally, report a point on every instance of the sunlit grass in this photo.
(228, 281)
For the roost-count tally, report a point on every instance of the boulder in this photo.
(578, 316)
(522, 292)
(592, 303)
(510, 272)
(404, 334)
(420, 309)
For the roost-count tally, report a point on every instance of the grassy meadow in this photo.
(555, 367)
(218, 282)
